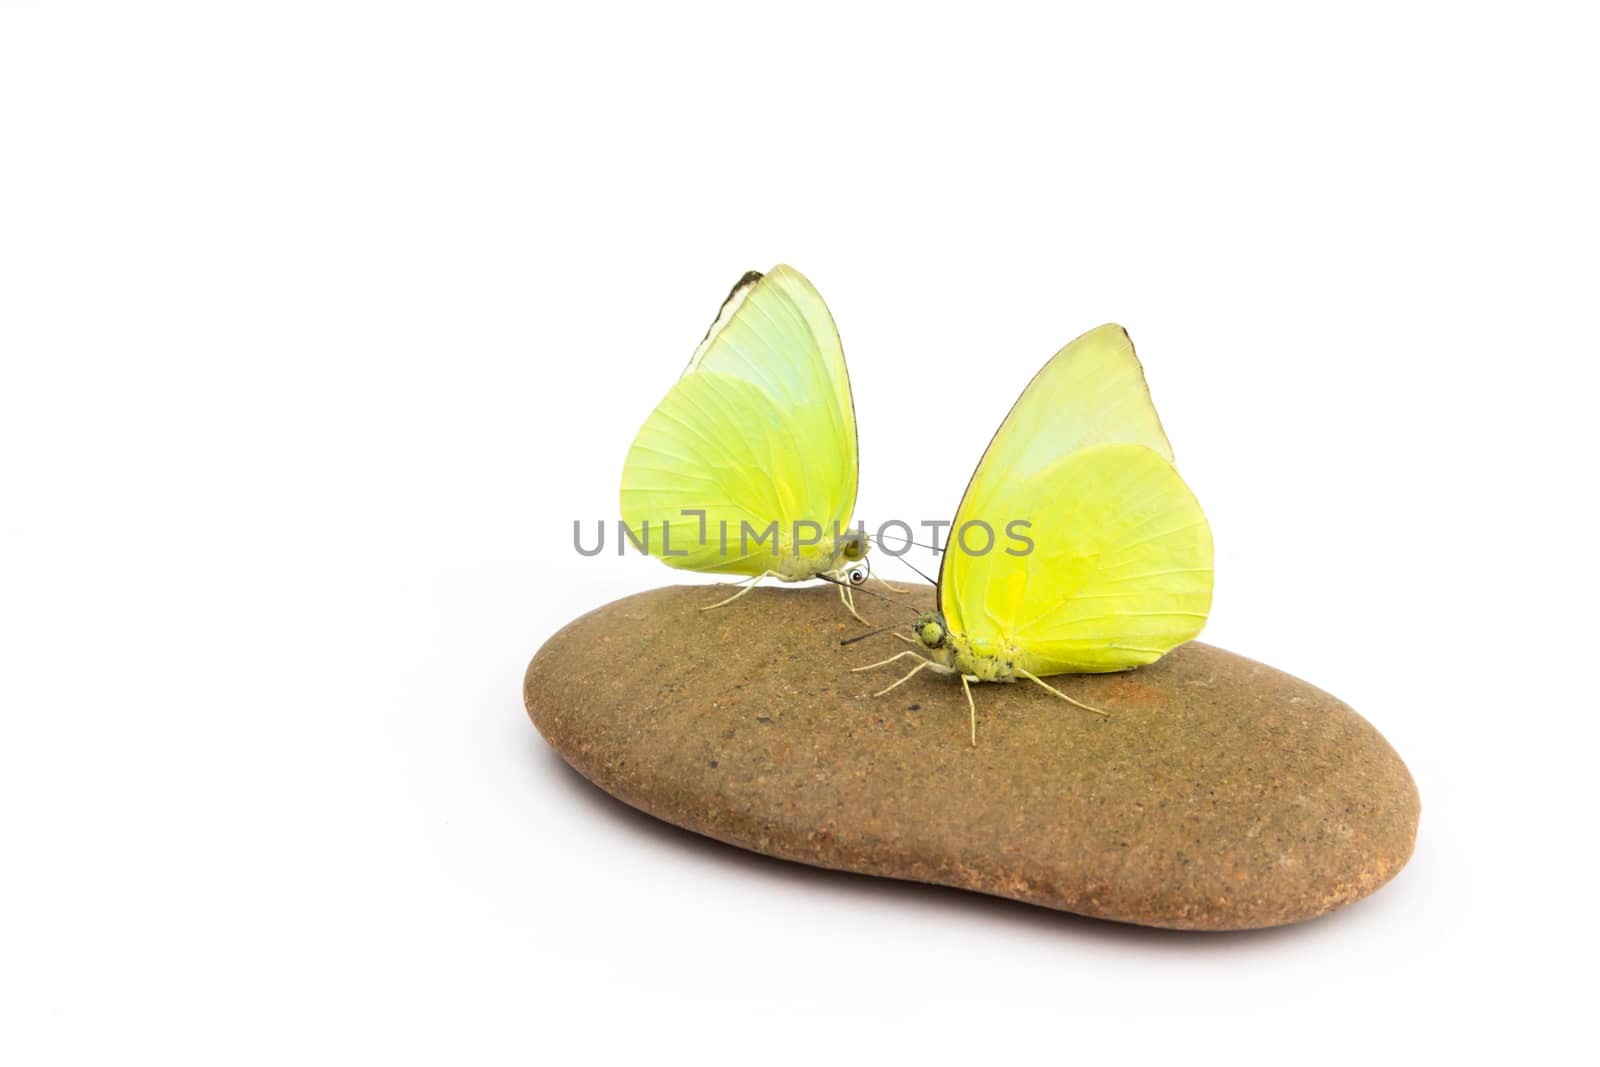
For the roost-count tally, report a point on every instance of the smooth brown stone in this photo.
(1220, 795)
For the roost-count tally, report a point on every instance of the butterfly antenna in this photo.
(924, 577)
(880, 596)
(935, 549)
(863, 637)
(907, 562)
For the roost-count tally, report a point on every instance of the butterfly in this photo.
(749, 464)
(1077, 548)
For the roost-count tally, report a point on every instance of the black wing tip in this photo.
(750, 277)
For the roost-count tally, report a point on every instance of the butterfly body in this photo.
(802, 568)
(979, 664)
(980, 659)
(798, 562)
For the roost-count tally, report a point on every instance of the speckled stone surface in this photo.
(1220, 795)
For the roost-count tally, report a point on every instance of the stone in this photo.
(1220, 794)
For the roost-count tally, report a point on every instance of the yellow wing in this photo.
(1119, 570)
(1092, 392)
(759, 430)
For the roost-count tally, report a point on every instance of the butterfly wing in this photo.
(1120, 566)
(759, 430)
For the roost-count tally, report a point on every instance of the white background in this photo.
(321, 323)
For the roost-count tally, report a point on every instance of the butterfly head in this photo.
(930, 629)
(850, 559)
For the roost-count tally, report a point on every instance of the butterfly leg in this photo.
(891, 586)
(972, 709)
(1063, 696)
(913, 672)
(886, 662)
(753, 583)
(850, 603)
(907, 640)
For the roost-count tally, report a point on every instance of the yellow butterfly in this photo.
(748, 465)
(1117, 569)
